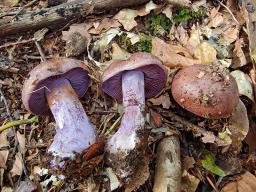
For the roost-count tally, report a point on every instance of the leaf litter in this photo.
(174, 32)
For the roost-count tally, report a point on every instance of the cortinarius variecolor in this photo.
(55, 86)
(208, 91)
(131, 81)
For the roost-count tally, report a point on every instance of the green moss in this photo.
(159, 24)
(185, 14)
(144, 45)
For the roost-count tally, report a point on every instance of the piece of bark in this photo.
(60, 14)
(168, 166)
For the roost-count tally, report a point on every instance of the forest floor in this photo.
(180, 34)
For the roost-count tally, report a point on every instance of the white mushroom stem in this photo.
(168, 166)
(133, 120)
(127, 138)
(74, 132)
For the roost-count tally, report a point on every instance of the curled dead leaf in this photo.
(3, 158)
(238, 123)
(244, 84)
(17, 165)
(169, 57)
(205, 53)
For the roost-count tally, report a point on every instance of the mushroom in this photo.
(131, 81)
(55, 86)
(206, 90)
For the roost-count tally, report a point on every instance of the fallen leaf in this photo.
(22, 142)
(40, 171)
(179, 2)
(17, 165)
(208, 138)
(188, 162)
(105, 39)
(189, 183)
(244, 84)
(238, 123)
(3, 158)
(3, 139)
(156, 119)
(7, 189)
(215, 19)
(77, 38)
(95, 150)
(194, 39)
(231, 34)
(209, 164)
(171, 59)
(163, 100)
(127, 16)
(26, 186)
(246, 182)
(239, 57)
(118, 53)
(114, 182)
(205, 53)
(104, 25)
(168, 11)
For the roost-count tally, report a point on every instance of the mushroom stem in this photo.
(74, 132)
(128, 138)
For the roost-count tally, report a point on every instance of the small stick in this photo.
(230, 12)
(168, 166)
(18, 122)
(188, 126)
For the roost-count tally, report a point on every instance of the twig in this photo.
(18, 122)
(25, 6)
(188, 126)
(230, 12)
(113, 126)
(16, 43)
(39, 48)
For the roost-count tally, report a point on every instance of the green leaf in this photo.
(209, 164)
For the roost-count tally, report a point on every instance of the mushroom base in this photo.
(74, 132)
(126, 147)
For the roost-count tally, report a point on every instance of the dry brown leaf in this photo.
(179, 2)
(168, 11)
(166, 53)
(104, 25)
(231, 34)
(22, 142)
(163, 100)
(205, 53)
(244, 84)
(3, 158)
(157, 120)
(194, 39)
(3, 139)
(245, 183)
(238, 124)
(77, 38)
(17, 165)
(127, 16)
(215, 19)
(189, 183)
(240, 59)
(26, 186)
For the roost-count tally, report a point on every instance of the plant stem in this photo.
(18, 122)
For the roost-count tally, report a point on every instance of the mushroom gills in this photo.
(74, 132)
(123, 145)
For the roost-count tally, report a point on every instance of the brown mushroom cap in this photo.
(206, 90)
(33, 93)
(155, 75)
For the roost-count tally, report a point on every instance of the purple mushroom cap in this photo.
(35, 86)
(155, 75)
